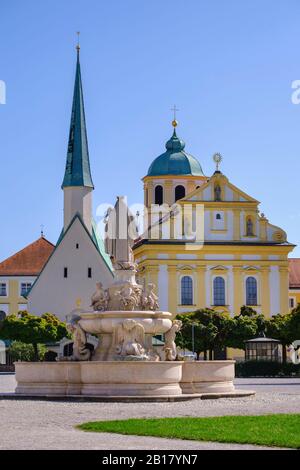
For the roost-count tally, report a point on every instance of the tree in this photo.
(248, 324)
(33, 330)
(210, 331)
(285, 328)
(19, 351)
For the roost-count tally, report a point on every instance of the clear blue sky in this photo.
(227, 64)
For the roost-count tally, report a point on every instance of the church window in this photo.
(89, 272)
(179, 192)
(217, 193)
(25, 287)
(218, 217)
(3, 289)
(219, 291)
(187, 290)
(77, 246)
(159, 193)
(251, 291)
(249, 227)
(65, 272)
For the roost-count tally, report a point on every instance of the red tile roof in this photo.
(29, 261)
(294, 275)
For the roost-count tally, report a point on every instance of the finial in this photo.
(78, 44)
(42, 231)
(174, 122)
(217, 158)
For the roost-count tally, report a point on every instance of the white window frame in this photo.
(20, 286)
(193, 289)
(257, 277)
(212, 302)
(6, 290)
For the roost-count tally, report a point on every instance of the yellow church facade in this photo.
(206, 244)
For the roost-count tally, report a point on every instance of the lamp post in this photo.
(193, 338)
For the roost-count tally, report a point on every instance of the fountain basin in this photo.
(207, 377)
(126, 379)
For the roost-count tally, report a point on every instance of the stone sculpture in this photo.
(170, 346)
(150, 299)
(80, 350)
(129, 337)
(100, 298)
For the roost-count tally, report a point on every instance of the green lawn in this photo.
(270, 430)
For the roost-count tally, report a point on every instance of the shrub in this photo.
(19, 351)
(266, 369)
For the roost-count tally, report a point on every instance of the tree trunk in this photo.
(36, 352)
(210, 354)
(205, 354)
(284, 354)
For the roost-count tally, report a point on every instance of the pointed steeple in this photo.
(78, 172)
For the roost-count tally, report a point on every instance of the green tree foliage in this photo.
(19, 351)
(285, 328)
(248, 324)
(210, 330)
(33, 330)
(215, 330)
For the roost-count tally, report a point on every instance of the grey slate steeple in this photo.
(78, 172)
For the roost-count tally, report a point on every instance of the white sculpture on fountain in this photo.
(129, 338)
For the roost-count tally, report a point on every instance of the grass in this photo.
(278, 430)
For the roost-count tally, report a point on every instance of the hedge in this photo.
(266, 369)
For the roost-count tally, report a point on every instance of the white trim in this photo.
(6, 289)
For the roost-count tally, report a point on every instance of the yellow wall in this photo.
(13, 299)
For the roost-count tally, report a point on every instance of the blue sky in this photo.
(228, 65)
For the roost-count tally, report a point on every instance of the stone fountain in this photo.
(125, 317)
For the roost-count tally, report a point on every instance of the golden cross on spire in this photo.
(78, 44)
(174, 122)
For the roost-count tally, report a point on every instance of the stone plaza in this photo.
(37, 424)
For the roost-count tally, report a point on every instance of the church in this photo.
(206, 244)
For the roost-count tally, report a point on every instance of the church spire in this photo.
(78, 172)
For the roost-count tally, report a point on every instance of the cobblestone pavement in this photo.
(50, 425)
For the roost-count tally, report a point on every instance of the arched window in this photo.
(159, 195)
(219, 291)
(179, 192)
(218, 217)
(187, 290)
(249, 229)
(251, 291)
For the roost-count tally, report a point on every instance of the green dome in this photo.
(175, 161)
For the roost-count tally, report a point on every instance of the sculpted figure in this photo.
(217, 193)
(150, 299)
(129, 297)
(100, 298)
(129, 338)
(170, 346)
(80, 350)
